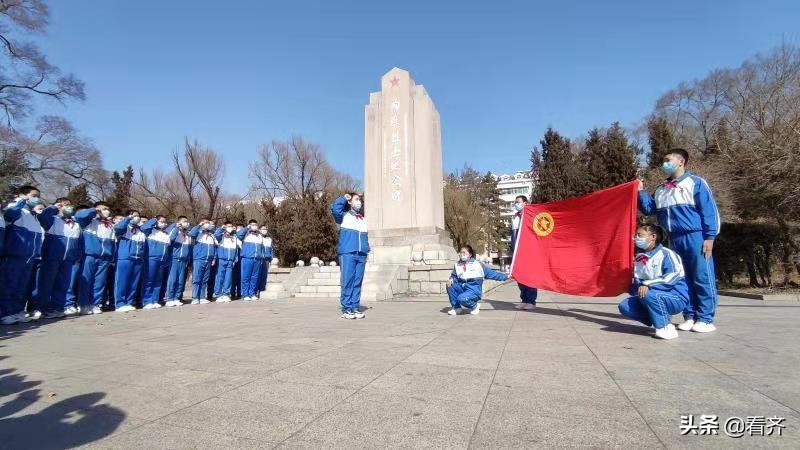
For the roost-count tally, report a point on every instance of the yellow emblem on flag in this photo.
(543, 224)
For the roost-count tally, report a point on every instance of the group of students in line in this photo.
(60, 260)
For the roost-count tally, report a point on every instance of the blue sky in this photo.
(238, 74)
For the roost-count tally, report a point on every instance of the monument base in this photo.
(411, 246)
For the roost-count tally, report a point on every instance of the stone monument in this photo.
(404, 200)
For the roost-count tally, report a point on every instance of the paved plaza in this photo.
(292, 374)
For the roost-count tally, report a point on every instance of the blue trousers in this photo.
(126, 281)
(527, 294)
(236, 288)
(15, 276)
(153, 278)
(461, 298)
(176, 280)
(201, 270)
(654, 309)
(56, 284)
(262, 275)
(251, 267)
(700, 276)
(222, 285)
(352, 271)
(165, 276)
(92, 280)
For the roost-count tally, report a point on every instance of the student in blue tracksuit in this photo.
(236, 289)
(2, 235)
(180, 255)
(686, 209)
(204, 252)
(353, 248)
(131, 254)
(99, 250)
(659, 287)
(158, 244)
(227, 254)
(252, 254)
(465, 285)
(61, 256)
(23, 248)
(527, 294)
(265, 260)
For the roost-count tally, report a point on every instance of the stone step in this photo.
(329, 269)
(326, 275)
(275, 287)
(314, 295)
(320, 289)
(323, 282)
(274, 295)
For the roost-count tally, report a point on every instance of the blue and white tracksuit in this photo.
(662, 272)
(467, 287)
(158, 249)
(131, 254)
(2, 235)
(526, 293)
(23, 249)
(180, 251)
(265, 262)
(353, 248)
(252, 255)
(99, 250)
(685, 207)
(227, 255)
(204, 252)
(61, 257)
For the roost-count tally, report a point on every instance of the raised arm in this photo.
(47, 217)
(122, 226)
(148, 226)
(338, 208)
(195, 231)
(85, 216)
(647, 205)
(14, 210)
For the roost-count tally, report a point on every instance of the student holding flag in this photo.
(659, 287)
(685, 207)
(526, 293)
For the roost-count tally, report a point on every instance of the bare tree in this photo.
(25, 72)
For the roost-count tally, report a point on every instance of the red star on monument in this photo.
(394, 81)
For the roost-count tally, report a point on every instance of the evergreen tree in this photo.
(660, 139)
(120, 199)
(79, 195)
(14, 172)
(556, 170)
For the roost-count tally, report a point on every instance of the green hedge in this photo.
(754, 254)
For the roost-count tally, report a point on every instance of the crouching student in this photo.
(227, 254)
(465, 286)
(659, 287)
(181, 254)
(131, 247)
(204, 252)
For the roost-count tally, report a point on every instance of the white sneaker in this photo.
(54, 315)
(686, 325)
(35, 315)
(246, 299)
(156, 305)
(169, 303)
(97, 310)
(203, 301)
(476, 309)
(86, 310)
(668, 332)
(529, 306)
(454, 311)
(359, 314)
(195, 301)
(70, 311)
(149, 306)
(126, 308)
(348, 315)
(703, 327)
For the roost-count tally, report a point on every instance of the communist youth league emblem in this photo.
(543, 224)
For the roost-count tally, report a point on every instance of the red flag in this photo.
(579, 246)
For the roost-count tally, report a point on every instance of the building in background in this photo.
(510, 186)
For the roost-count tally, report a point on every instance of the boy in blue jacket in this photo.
(158, 243)
(685, 207)
(353, 248)
(527, 294)
(23, 249)
(252, 255)
(465, 286)
(180, 254)
(227, 254)
(204, 252)
(131, 253)
(265, 260)
(659, 287)
(61, 256)
(99, 250)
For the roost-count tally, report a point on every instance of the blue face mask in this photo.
(518, 206)
(33, 201)
(669, 168)
(641, 243)
(463, 258)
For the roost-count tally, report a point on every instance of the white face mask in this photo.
(106, 213)
(230, 230)
(264, 232)
(162, 225)
(357, 205)
(253, 227)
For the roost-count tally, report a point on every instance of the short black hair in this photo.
(182, 217)
(26, 189)
(252, 221)
(469, 249)
(62, 199)
(228, 222)
(682, 153)
(159, 216)
(655, 229)
(100, 203)
(131, 211)
(523, 197)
